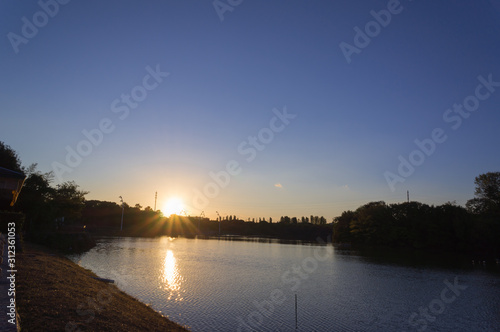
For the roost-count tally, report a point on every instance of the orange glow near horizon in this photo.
(174, 205)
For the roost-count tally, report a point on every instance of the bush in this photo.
(65, 242)
(7, 217)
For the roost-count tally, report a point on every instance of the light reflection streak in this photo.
(171, 278)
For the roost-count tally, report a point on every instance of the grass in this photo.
(55, 294)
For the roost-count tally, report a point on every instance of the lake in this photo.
(229, 285)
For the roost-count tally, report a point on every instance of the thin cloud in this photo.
(278, 185)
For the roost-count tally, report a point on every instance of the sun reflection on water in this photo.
(171, 278)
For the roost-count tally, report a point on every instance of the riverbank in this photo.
(55, 294)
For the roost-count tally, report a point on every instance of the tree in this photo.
(36, 197)
(487, 200)
(341, 227)
(372, 223)
(9, 158)
(69, 201)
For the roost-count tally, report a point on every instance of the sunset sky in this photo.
(262, 109)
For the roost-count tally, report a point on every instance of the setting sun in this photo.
(173, 205)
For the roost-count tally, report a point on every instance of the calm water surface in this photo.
(219, 285)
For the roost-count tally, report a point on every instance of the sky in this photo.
(254, 108)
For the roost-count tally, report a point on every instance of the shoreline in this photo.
(59, 295)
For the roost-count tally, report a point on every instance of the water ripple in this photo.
(213, 285)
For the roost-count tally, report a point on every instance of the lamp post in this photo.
(123, 208)
(219, 220)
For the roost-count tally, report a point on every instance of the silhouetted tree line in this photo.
(44, 206)
(447, 227)
(315, 220)
(105, 218)
(48, 207)
(289, 231)
(43, 211)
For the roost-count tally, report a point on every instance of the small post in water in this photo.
(295, 311)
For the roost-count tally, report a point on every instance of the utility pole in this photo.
(219, 220)
(408, 196)
(156, 194)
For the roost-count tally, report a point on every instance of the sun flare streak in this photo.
(173, 205)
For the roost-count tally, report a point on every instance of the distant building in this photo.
(11, 183)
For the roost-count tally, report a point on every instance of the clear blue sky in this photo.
(353, 119)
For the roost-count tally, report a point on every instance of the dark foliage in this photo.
(9, 158)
